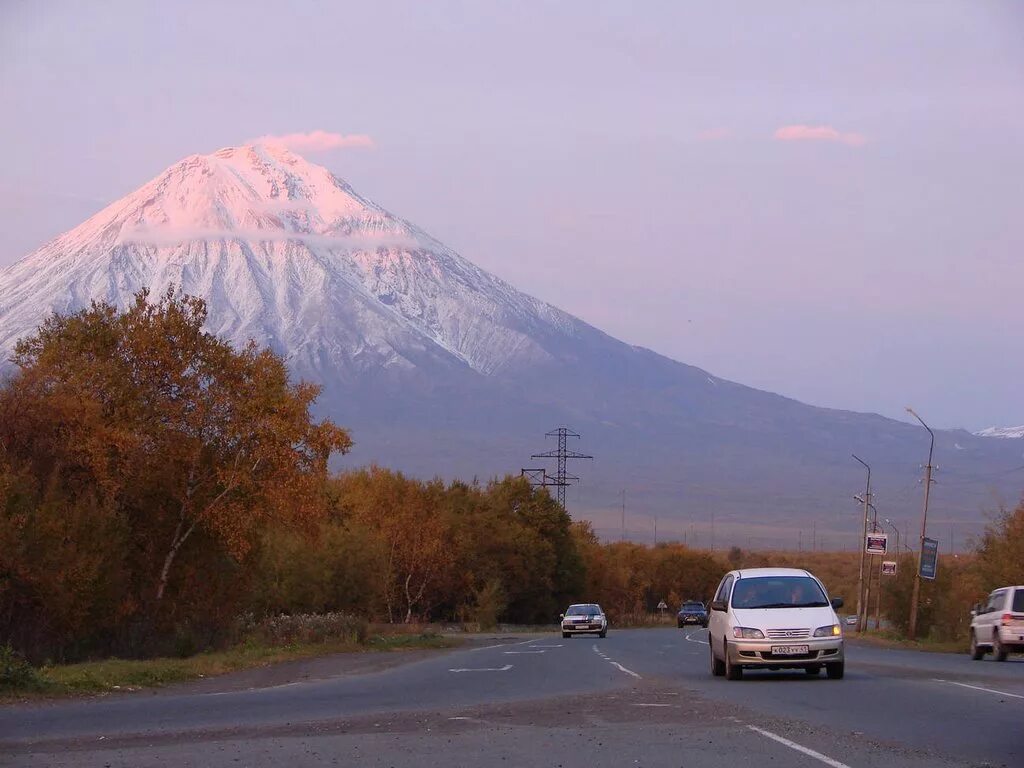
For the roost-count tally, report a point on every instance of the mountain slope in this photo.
(440, 367)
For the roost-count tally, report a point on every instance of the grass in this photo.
(111, 675)
(889, 639)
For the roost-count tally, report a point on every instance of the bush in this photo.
(313, 628)
(16, 674)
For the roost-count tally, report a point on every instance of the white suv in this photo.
(774, 618)
(998, 625)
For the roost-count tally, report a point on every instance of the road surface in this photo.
(635, 698)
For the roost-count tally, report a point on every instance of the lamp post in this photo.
(912, 626)
(861, 607)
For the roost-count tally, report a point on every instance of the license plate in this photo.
(790, 650)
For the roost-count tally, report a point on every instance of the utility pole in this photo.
(562, 454)
(623, 536)
(861, 608)
(655, 530)
(814, 535)
(912, 628)
(712, 531)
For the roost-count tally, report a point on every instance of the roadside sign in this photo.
(876, 543)
(888, 567)
(929, 558)
(662, 606)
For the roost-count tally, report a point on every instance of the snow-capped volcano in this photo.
(439, 367)
(287, 254)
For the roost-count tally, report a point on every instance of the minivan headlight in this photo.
(747, 633)
(832, 630)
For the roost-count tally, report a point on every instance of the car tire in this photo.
(997, 647)
(813, 671)
(717, 665)
(679, 624)
(835, 670)
(566, 635)
(977, 652)
(732, 671)
(603, 634)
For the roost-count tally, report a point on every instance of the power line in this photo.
(562, 454)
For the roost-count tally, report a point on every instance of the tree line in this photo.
(156, 485)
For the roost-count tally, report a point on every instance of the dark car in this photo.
(692, 613)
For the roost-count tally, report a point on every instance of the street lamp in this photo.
(912, 628)
(861, 608)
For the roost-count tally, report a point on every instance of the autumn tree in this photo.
(170, 431)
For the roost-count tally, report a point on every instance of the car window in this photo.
(1018, 601)
(778, 592)
(995, 602)
(723, 589)
(693, 606)
(582, 610)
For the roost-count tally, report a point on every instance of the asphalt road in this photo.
(637, 698)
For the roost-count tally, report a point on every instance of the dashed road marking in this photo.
(692, 640)
(615, 663)
(623, 669)
(514, 653)
(798, 747)
(506, 668)
(650, 705)
(559, 645)
(979, 688)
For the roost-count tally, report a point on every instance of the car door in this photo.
(718, 620)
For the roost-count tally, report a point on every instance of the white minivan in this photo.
(774, 618)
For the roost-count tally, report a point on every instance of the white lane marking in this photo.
(623, 669)
(615, 663)
(514, 653)
(798, 747)
(702, 642)
(489, 647)
(547, 646)
(979, 688)
(506, 668)
(650, 705)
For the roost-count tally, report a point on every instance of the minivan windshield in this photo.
(778, 592)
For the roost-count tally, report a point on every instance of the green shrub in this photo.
(16, 674)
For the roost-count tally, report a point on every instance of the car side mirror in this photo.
(561, 615)
(718, 605)
(837, 603)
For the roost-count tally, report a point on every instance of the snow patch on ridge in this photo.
(1003, 432)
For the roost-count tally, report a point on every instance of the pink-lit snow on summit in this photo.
(289, 255)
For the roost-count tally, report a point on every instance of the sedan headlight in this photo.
(747, 633)
(832, 630)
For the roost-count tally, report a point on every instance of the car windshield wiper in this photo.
(817, 604)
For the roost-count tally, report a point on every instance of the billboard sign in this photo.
(929, 558)
(876, 543)
(888, 567)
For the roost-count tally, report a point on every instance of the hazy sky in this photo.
(823, 199)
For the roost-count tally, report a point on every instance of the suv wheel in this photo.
(813, 670)
(977, 652)
(997, 647)
(566, 635)
(732, 671)
(717, 666)
(835, 670)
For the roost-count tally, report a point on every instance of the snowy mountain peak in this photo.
(1004, 432)
(288, 254)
